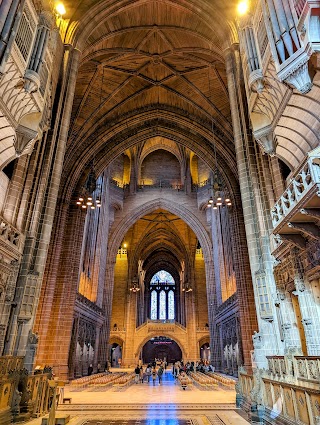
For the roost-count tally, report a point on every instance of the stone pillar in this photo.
(256, 222)
(107, 307)
(35, 257)
(11, 209)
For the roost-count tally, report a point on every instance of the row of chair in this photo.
(85, 380)
(223, 380)
(203, 381)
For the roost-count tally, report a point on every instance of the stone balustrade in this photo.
(10, 235)
(9, 363)
(22, 395)
(204, 329)
(117, 330)
(308, 368)
(303, 185)
(266, 398)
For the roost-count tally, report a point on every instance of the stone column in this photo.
(107, 307)
(256, 224)
(35, 259)
(12, 203)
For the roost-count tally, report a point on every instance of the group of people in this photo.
(180, 367)
(151, 371)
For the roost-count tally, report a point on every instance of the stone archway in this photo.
(141, 338)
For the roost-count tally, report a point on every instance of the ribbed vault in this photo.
(148, 67)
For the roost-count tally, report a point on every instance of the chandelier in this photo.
(219, 197)
(186, 287)
(88, 199)
(134, 285)
(219, 194)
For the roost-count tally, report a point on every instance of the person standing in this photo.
(160, 373)
(90, 370)
(148, 372)
(154, 375)
(137, 372)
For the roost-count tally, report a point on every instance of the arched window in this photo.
(162, 296)
(154, 305)
(162, 306)
(171, 305)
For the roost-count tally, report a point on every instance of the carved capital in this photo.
(296, 73)
(31, 81)
(267, 140)
(256, 81)
(25, 140)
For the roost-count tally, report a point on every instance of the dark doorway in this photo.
(162, 348)
(115, 355)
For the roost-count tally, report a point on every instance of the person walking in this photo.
(154, 375)
(160, 373)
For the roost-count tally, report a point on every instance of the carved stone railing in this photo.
(162, 184)
(204, 329)
(117, 330)
(10, 235)
(303, 185)
(90, 304)
(161, 325)
(22, 395)
(9, 363)
(273, 401)
(308, 368)
(277, 366)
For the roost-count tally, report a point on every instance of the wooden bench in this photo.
(65, 399)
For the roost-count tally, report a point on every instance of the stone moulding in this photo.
(294, 71)
(256, 81)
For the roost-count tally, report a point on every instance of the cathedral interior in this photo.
(160, 203)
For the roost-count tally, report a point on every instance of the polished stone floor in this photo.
(148, 404)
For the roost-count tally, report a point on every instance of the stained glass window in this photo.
(162, 277)
(171, 305)
(162, 306)
(154, 305)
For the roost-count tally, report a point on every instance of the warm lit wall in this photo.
(160, 166)
(201, 290)
(120, 291)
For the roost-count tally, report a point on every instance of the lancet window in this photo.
(162, 300)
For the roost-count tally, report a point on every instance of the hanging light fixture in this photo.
(88, 199)
(219, 194)
(134, 285)
(186, 287)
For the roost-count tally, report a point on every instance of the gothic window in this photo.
(171, 305)
(162, 306)
(154, 305)
(162, 296)
(162, 277)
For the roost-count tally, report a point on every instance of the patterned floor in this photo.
(148, 404)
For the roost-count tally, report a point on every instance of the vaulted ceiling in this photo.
(149, 68)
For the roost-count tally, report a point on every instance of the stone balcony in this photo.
(11, 238)
(296, 215)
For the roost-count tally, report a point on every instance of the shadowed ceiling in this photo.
(137, 56)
